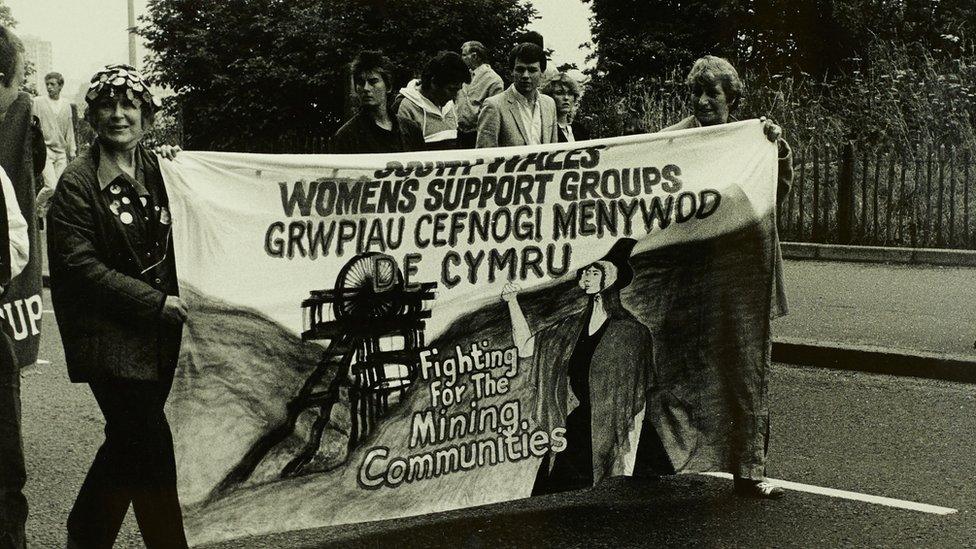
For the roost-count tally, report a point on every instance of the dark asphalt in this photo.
(897, 437)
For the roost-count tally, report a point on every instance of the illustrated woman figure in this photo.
(589, 370)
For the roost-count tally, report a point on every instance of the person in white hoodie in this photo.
(426, 114)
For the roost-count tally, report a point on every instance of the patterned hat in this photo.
(121, 79)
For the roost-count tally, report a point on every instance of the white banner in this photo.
(376, 336)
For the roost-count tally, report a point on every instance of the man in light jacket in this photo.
(54, 113)
(485, 83)
(520, 115)
(425, 112)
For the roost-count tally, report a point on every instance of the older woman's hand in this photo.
(772, 130)
(167, 151)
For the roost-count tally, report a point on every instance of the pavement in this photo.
(899, 319)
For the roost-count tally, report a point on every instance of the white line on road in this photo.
(856, 496)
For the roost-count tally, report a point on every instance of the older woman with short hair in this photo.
(716, 94)
(566, 91)
(114, 285)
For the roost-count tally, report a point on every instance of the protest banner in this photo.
(20, 306)
(379, 336)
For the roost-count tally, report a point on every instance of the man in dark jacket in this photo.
(114, 286)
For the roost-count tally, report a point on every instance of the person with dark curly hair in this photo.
(425, 108)
(374, 128)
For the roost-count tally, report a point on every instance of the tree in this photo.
(647, 38)
(249, 73)
(637, 39)
(6, 18)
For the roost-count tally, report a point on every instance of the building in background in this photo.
(39, 52)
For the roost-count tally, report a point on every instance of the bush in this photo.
(897, 95)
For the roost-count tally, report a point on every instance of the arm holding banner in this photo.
(785, 179)
(72, 230)
(784, 154)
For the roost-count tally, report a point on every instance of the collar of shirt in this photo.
(524, 101)
(109, 172)
(568, 130)
(531, 114)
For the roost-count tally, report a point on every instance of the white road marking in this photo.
(856, 496)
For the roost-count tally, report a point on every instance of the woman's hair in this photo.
(373, 60)
(10, 48)
(709, 68)
(445, 68)
(565, 81)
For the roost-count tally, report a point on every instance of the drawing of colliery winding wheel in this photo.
(374, 322)
(363, 288)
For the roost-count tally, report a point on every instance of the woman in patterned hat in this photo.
(113, 283)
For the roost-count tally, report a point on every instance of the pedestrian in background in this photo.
(16, 169)
(374, 128)
(425, 110)
(716, 93)
(566, 92)
(114, 285)
(520, 115)
(58, 128)
(485, 83)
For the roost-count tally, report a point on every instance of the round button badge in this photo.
(126, 218)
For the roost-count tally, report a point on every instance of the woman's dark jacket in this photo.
(108, 295)
(580, 133)
(360, 134)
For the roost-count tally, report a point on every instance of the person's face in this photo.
(470, 57)
(118, 123)
(53, 88)
(371, 90)
(591, 280)
(709, 101)
(447, 92)
(526, 76)
(565, 100)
